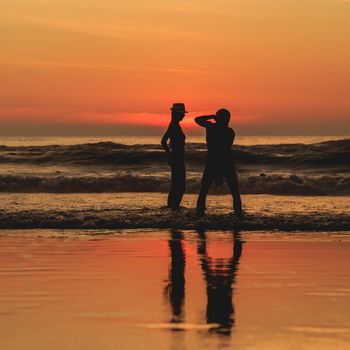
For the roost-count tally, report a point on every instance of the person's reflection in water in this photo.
(220, 274)
(175, 289)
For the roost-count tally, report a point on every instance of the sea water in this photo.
(280, 165)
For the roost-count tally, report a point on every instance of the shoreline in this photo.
(183, 220)
(190, 235)
(147, 211)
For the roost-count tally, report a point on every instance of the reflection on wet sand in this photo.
(86, 290)
(219, 274)
(175, 288)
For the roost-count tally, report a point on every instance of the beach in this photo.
(147, 210)
(90, 256)
(127, 131)
(120, 289)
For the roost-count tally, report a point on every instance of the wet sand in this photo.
(164, 289)
(146, 210)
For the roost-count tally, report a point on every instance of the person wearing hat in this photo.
(219, 162)
(175, 151)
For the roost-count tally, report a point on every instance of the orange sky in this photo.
(281, 66)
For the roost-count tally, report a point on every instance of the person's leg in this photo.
(178, 184)
(181, 184)
(232, 182)
(171, 194)
(207, 180)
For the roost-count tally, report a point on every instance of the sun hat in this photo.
(179, 107)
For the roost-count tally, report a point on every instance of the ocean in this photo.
(266, 165)
(68, 182)
(134, 140)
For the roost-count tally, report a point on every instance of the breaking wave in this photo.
(324, 154)
(262, 184)
(286, 169)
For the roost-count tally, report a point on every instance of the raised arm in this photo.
(203, 121)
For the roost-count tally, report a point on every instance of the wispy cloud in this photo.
(35, 113)
(347, 2)
(56, 115)
(122, 30)
(92, 66)
(62, 116)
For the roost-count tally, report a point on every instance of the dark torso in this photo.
(177, 142)
(219, 143)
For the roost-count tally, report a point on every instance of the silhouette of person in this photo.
(219, 162)
(220, 274)
(175, 151)
(175, 289)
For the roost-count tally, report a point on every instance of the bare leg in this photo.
(232, 182)
(207, 181)
(178, 184)
(172, 189)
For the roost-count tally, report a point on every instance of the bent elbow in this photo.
(197, 120)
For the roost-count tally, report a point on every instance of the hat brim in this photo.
(178, 110)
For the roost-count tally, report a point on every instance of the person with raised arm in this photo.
(219, 162)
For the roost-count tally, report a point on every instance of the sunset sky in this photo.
(111, 66)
